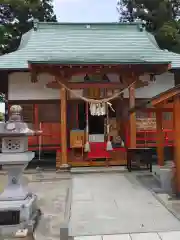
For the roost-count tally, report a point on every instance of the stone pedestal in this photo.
(166, 180)
(164, 175)
(14, 164)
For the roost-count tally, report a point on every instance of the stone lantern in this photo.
(18, 208)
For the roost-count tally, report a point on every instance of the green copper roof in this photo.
(85, 43)
(175, 60)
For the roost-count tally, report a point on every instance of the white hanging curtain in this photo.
(98, 109)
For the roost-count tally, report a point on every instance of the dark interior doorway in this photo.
(96, 123)
(82, 115)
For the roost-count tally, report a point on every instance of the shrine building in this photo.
(76, 82)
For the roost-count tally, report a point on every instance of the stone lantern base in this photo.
(16, 216)
(18, 207)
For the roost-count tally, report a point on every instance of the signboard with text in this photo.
(146, 123)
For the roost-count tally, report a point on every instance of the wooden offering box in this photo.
(77, 138)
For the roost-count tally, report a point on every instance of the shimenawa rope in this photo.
(90, 100)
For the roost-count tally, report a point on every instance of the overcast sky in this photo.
(86, 10)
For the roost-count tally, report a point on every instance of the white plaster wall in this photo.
(21, 87)
(163, 82)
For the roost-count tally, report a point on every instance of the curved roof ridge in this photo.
(153, 40)
(91, 23)
(154, 43)
(25, 39)
(174, 58)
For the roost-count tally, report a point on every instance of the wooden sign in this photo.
(146, 123)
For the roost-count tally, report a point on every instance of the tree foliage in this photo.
(161, 17)
(16, 18)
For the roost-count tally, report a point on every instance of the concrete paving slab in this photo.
(136, 236)
(89, 238)
(113, 203)
(145, 236)
(87, 196)
(117, 237)
(170, 236)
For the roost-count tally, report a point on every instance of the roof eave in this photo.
(99, 62)
(14, 69)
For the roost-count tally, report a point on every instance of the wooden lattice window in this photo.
(167, 116)
(49, 112)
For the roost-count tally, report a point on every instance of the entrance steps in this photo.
(98, 169)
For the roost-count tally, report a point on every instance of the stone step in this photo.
(98, 169)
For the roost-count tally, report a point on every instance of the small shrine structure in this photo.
(76, 81)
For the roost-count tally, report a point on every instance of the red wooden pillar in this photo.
(177, 144)
(36, 116)
(63, 113)
(36, 121)
(132, 120)
(160, 137)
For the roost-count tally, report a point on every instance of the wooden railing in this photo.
(147, 138)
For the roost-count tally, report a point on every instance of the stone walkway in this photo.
(116, 203)
(136, 236)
